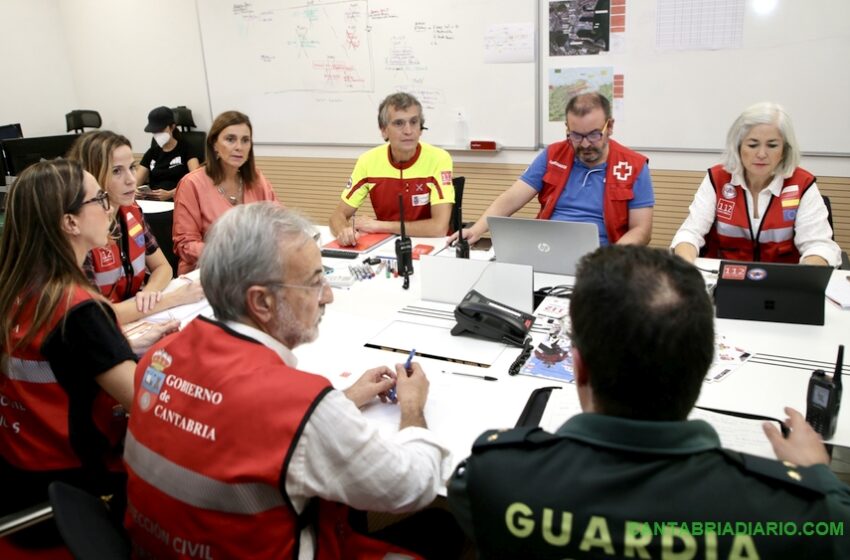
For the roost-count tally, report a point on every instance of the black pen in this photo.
(484, 377)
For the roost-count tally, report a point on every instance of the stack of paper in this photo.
(838, 289)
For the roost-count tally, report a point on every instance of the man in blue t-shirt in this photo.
(586, 178)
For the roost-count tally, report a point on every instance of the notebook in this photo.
(547, 245)
(781, 293)
(365, 242)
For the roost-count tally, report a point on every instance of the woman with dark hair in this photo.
(130, 270)
(66, 371)
(228, 178)
(168, 159)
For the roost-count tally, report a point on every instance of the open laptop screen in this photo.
(782, 293)
(547, 245)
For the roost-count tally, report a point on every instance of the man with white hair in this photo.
(232, 451)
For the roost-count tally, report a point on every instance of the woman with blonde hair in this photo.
(130, 270)
(228, 178)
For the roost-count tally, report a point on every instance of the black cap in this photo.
(159, 119)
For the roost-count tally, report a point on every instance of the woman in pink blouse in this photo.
(228, 178)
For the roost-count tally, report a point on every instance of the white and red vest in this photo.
(215, 419)
(624, 167)
(731, 234)
(35, 430)
(120, 270)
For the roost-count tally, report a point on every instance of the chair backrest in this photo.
(161, 225)
(11, 131)
(828, 205)
(196, 140)
(183, 117)
(85, 524)
(79, 119)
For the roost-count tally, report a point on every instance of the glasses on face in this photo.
(414, 122)
(102, 198)
(593, 136)
(320, 287)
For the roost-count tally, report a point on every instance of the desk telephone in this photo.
(484, 317)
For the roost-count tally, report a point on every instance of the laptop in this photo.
(781, 293)
(547, 245)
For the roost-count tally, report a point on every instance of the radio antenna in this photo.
(836, 378)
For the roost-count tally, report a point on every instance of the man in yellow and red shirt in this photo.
(419, 172)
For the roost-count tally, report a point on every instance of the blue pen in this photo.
(392, 392)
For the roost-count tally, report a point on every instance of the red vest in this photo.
(624, 167)
(34, 418)
(731, 236)
(215, 419)
(120, 271)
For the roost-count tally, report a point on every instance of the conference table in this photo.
(460, 408)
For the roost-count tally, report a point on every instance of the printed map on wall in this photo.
(566, 83)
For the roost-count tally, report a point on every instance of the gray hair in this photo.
(398, 101)
(243, 249)
(754, 115)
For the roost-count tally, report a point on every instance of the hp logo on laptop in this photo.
(543, 247)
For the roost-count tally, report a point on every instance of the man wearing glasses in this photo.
(586, 178)
(233, 452)
(420, 172)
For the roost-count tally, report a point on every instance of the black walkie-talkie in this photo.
(461, 245)
(823, 400)
(404, 249)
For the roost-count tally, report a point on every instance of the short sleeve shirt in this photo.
(167, 168)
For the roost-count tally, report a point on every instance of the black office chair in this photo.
(80, 119)
(85, 524)
(197, 141)
(183, 118)
(845, 260)
(11, 131)
(160, 224)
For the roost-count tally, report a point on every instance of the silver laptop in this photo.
(547, 245)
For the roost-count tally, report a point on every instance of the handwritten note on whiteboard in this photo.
(509, 42)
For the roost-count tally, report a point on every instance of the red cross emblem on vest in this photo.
(622, 171)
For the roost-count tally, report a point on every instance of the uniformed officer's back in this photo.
(630, 477)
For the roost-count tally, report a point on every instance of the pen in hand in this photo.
(392, 392)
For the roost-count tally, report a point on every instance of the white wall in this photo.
(38, 85)
(125, 57)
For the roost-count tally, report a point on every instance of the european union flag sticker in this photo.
(789, 214)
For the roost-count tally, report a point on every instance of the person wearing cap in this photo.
(168, 159)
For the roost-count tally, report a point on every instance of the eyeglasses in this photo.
(101, 198)
(414, 122)
(320, 287)
(593, 136)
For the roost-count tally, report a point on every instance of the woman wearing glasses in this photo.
(228, 178)
(119, 268)
(66, 371)
(758, 205)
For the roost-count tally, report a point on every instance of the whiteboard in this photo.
(314, 72)
(797, 55)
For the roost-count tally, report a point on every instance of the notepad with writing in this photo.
(365, 242)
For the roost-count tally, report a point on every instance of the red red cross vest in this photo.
(215, 419)
(119, 274)
(624, 166)
(34, 430)
(731, 236)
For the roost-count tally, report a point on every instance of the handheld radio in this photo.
(404, 249)
(462, 245)
(823, 399)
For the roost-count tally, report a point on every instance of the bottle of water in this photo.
(461, 131)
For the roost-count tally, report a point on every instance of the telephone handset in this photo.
(484, 317)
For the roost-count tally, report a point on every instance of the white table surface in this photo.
(461, 408)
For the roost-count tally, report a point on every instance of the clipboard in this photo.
(365, 242)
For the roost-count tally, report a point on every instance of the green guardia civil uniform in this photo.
(608, 487)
